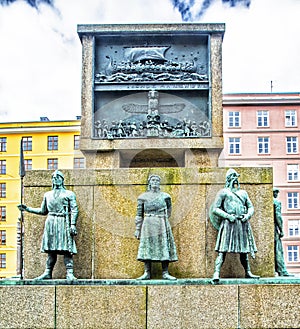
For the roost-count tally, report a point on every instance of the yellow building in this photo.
(47, 145)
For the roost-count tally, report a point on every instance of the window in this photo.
(78, 163)
(52, 143)
(2, 260)
(263, 118)
(263, 144)
(292, 200)
(76, 142)
(2, 213)
(2, 144)
(293, 226)
(52, 164)
(27, 143)
(234, 119)
(293, 172)
(2, 190)
(2, 167)
(290, 118)
(292, 144)
(2, 237)
(28, 164)
(293, 253)
(234, 145)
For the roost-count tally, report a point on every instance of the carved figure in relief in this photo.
(230, 214)
(60, 206)
(153, 107)
(153, 125)
(153, 229)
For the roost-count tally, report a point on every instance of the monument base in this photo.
(185, 303)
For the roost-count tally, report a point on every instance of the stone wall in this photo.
(107, 199)
(129, 305)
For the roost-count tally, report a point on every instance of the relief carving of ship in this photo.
(148, 64)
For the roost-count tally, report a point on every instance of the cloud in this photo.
(260, 45)
(192, 10)
(40, 61)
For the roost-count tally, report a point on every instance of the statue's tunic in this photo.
(237, 236)
(61, 210)
(280, 267)
(156, 238)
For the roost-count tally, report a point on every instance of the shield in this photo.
(214, 219)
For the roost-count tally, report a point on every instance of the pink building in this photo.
(263, 130)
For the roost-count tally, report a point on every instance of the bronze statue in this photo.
(230, 214)
(60, 226)
(153, 229)
(278, 234)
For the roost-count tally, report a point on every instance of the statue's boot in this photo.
(246, 264)
(47, 275)
(285, 274)
(165, 272)
(218, 264)
(70, 275)
(147, 273)
(68, 260)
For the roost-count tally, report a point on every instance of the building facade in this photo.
(262, 130)
(47, 145)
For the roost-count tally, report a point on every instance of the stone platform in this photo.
(184, 303)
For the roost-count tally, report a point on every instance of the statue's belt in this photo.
(154, 215)
(57, 214)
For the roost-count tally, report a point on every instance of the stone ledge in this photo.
(134, 282)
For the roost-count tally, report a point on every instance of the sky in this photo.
(40, 57)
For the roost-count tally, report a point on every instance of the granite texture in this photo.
(87, 85)
(107, 202)
(216, 84)
(113, 307)
(270, 306)
(27, 307)
(192, 307)
(192, 303)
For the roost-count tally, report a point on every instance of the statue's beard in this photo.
(235, 185)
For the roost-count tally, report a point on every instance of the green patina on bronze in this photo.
(231, 212)
(153, 229)
(280, 267)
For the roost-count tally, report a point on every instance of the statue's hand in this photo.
(137, 234)
(231, 218)
(245, 218)
(73, 230)
(22, 207)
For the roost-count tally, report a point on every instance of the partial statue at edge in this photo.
(60, 226)
(230, 214)
(154, 230)
(278, 234)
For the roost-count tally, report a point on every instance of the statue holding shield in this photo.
(230, 214)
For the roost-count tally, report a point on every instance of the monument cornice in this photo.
(202, 28)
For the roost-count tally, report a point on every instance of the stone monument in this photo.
(151, 104)
(152, 97)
